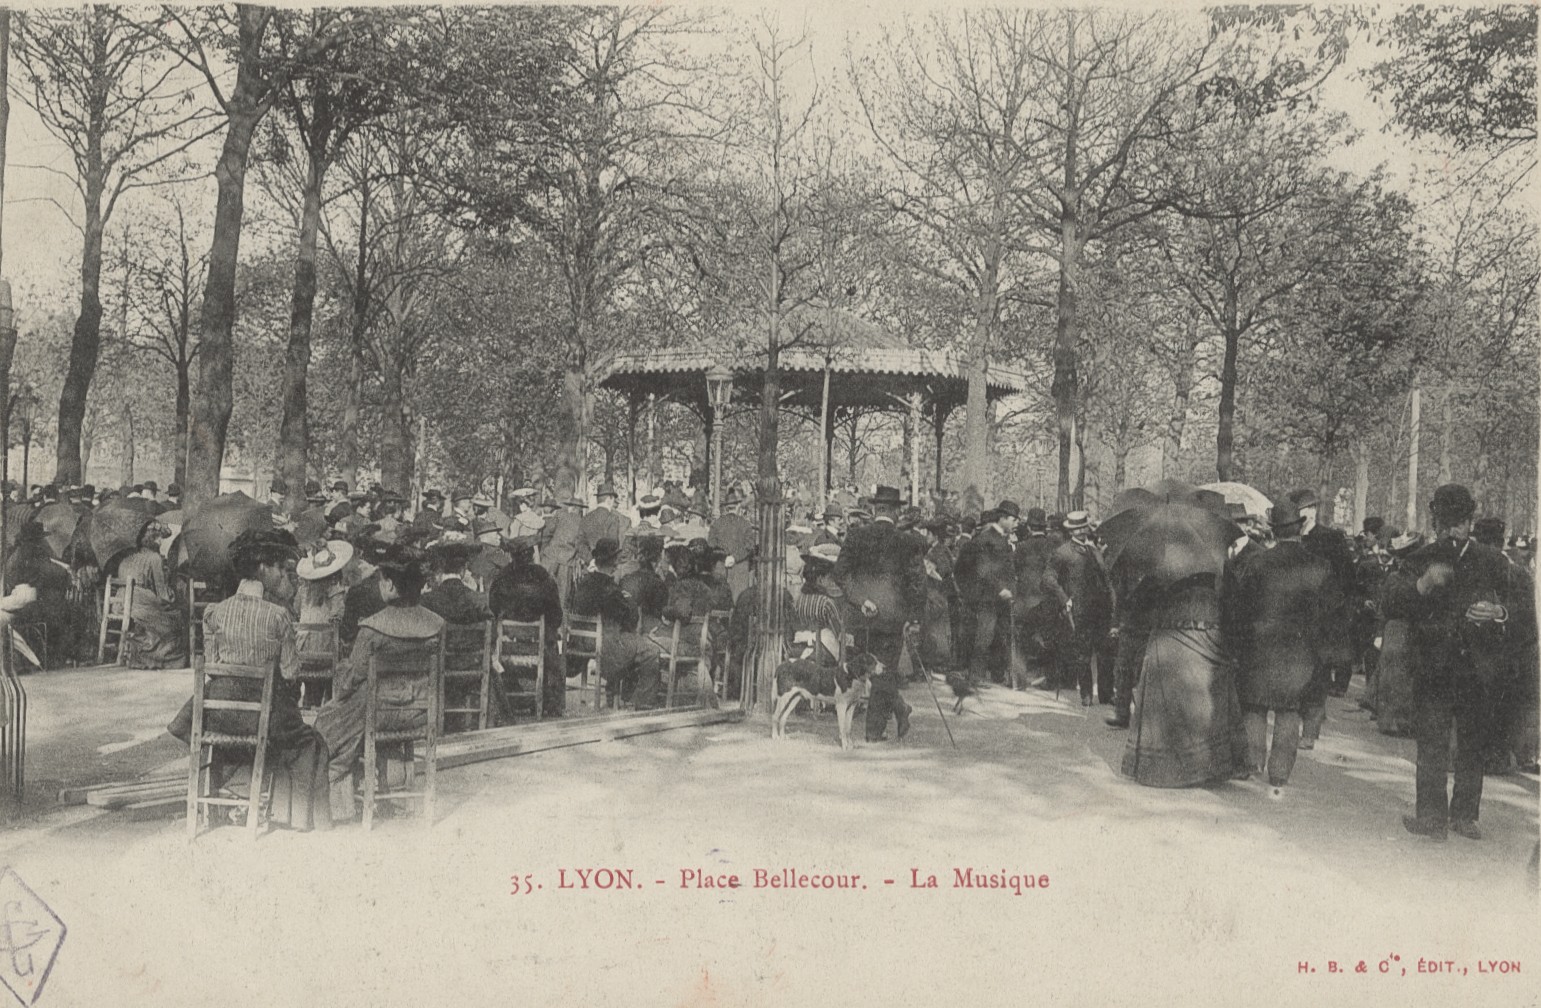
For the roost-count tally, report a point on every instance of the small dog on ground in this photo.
(845, 686)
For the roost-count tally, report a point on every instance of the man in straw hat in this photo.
(1458, 610)
(1077, 581)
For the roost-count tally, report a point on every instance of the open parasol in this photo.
(59, 522)
(212, 527)
(1240, 493)
(1166, 534)
(115, 526)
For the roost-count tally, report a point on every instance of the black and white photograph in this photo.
(720, 506)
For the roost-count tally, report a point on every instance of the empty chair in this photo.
(117, 604)
(522, 646)
(467, 665)
(584, 639)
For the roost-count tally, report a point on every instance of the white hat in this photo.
(523, 492)
(326, 560)
(481, 500)
(828, 552)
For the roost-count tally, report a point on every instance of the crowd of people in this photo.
(1218, 670)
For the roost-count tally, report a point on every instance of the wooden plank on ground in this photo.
(156, 808)
(120, 797)
(517, 740)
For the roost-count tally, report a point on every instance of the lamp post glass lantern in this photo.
(719, 393)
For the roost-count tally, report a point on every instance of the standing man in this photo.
(562, 550)
(885, 588)
(1281, 598)
(829, 532)
(1337, 654)
(431, 515)
(1037, 618)
(986, 574)
(1077, 581)
(1458, 609)
(735, 537)
(604, 522)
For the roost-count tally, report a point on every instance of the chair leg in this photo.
(370, 772)
(194, 785)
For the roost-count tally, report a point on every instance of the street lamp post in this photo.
(719, 392)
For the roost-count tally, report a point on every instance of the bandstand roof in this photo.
(869, 370)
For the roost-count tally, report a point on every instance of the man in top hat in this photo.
(1280, 602)
(563, 551)
(604, 521)
(1036, 613)
(733, 534)
(831, 528)
(1458, 608)
(986, 575)
(1079, 584)
(885, 588)
(1333, 546)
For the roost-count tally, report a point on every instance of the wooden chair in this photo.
(197, 602)
(204, 747)
(117, 605)
(467, 660)
(585, 636)
(699, 663)
(419, 661)
(320, 656)
(512, 640)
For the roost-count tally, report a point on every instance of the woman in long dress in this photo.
(157, 635)
(1186, 727)
(1394, 669)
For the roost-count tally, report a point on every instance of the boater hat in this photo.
(1077, 520)
(325, 560)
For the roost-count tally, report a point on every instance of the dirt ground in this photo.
(1153, 897)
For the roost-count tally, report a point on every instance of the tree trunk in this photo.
(213, 403)
(184, 399)
(1225, 436)
(1120, 465)
(1446, 437)
(976, 420)
(1064, 386)
(352, 402)
(395, 432)
(1479, 477)
(85, 345)
(127, 468)
(1361, 484)
(294, 428)
(654, 445)
(1182, 395)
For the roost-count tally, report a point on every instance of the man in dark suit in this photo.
(885, 588)
(562, 549)
(523, 590)
(1037, 617)
(644, 585)
(452, 598)
(628, 660)
(1333, 546)
(1458, 604)
(735, 537)
(431, 514)
(1077, 581)
(363, 599)
(986, 575)
(604, 521)
(1280, 600)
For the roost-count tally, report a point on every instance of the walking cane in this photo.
(915, 657)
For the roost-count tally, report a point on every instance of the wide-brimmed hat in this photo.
(1284, 515)
(1010, 507)
(1406, 543)
(325, 560)
(550, 502)
(358, 495)
(522, 492)
(433, 495)
(1305, 498)
(576, 501)
(650, 501)
(887, 495)
(606, 551)
(481, 500)
(1077, 520)
(823, 553)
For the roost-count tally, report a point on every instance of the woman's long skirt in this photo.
(1186, 727)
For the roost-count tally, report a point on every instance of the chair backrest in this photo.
(717, 624)
(204, 671)
(531, 635)
(467, 647)
(418, 660)
(585, 636)
(321, 644)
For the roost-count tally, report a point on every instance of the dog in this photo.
(846, 687)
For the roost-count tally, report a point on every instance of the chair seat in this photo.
(217, 739)
(463, 674)
(404, 735)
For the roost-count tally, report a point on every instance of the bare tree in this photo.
(104, 87)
